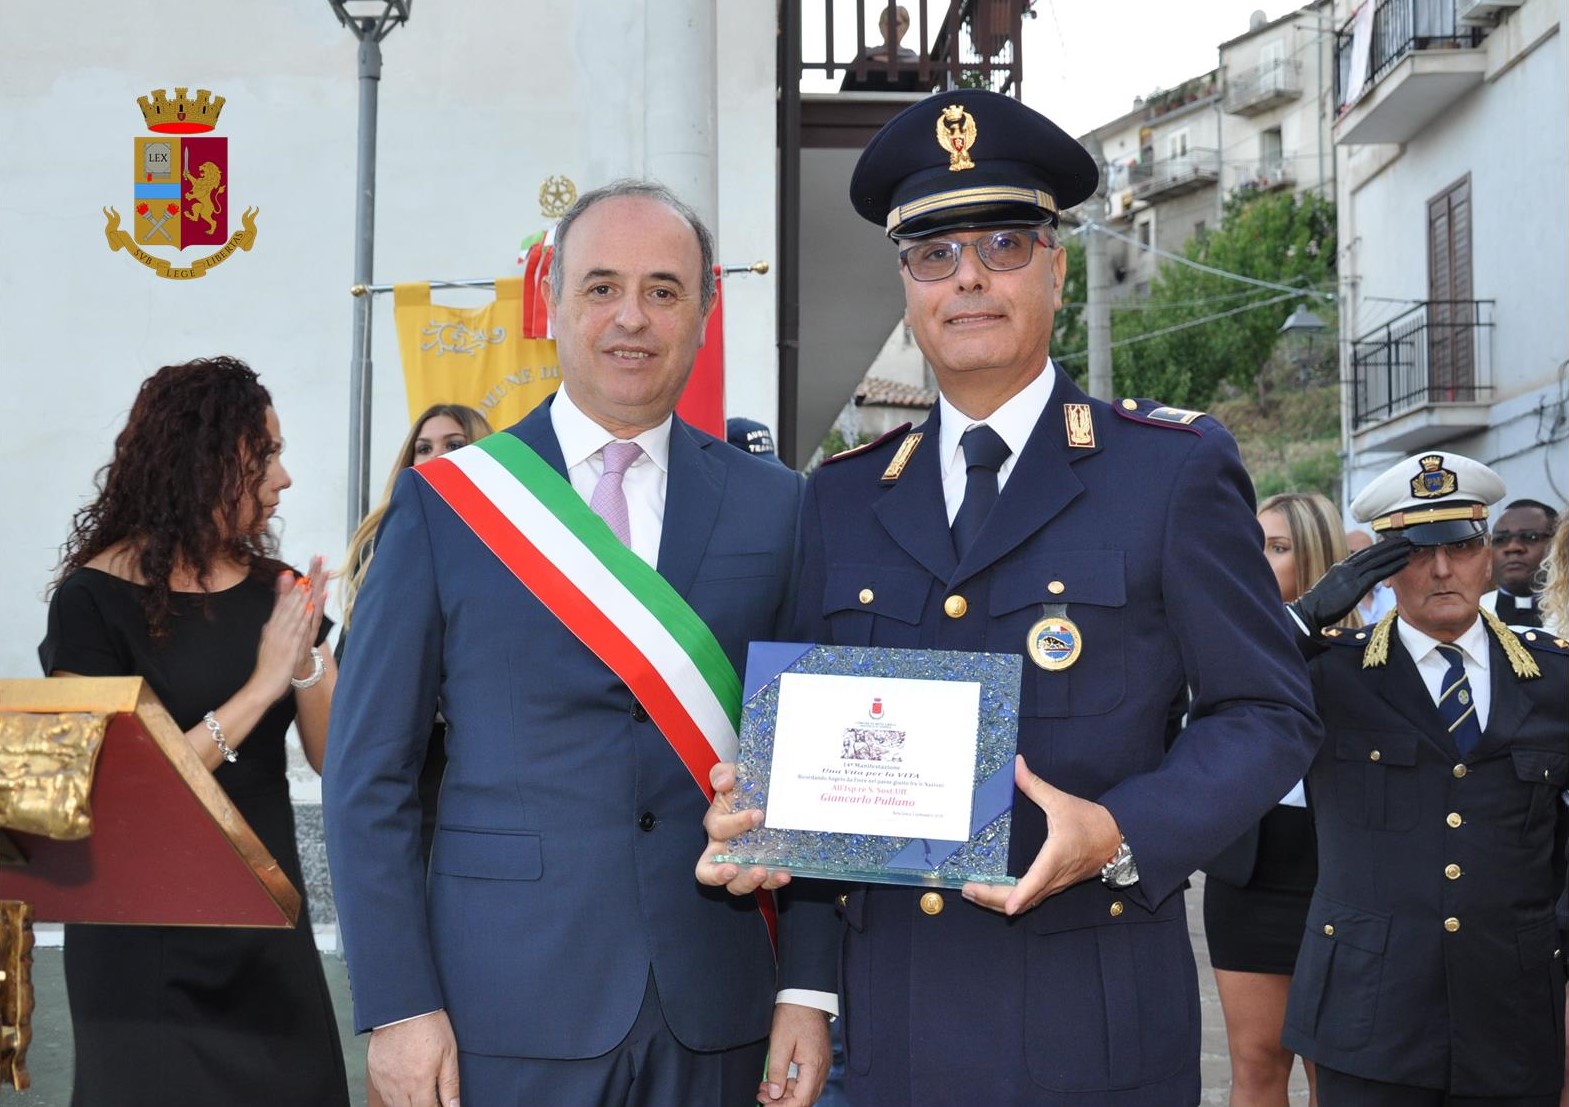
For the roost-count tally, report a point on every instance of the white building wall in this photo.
(1509, 136)
(479, 103)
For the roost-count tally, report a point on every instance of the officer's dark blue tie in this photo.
(984, 453)
(1455, 702)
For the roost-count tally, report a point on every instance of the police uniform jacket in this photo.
(1144, 534)
(1432, 954)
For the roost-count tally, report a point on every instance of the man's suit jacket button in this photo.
(1453, 819)
(1116, 909)
(955, 607)
(1459, 771)
(932, 903)
(1452, 872)
(646, 821)
(1451, 924)
(639, 712)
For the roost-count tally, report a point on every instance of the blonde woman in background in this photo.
(1257, 892)
(440, 429)
(1555, 592)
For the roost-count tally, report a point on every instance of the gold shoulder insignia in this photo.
(1520, 659)
(1151, 413)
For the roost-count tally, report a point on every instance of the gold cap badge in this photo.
(956, 134)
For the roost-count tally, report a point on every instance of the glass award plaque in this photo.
(882, 765)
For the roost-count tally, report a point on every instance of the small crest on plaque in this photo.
(956, 134)
(1054, 643)
(1081, 427)
(1434, 481)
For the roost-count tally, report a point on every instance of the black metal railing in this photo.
(1400, 28)
(1273, 80)
(1195, 168)
(945, 44)
(1439, 352)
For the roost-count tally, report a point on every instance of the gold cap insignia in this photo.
(956, 134)
(1434, 481)
(556, 196)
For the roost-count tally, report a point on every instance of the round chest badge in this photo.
(1054, 643)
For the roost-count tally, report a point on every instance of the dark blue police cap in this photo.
(969, 158)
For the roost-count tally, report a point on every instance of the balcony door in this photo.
(1451, 312)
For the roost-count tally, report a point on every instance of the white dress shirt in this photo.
(1014, 421)
(582, 444)
(1432, 664)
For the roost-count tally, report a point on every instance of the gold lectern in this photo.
(108, 816)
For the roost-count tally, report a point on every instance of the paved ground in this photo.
(49, 1060)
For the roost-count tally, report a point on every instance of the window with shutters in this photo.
(1451, 350)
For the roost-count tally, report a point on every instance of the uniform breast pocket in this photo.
(875, 605)
(1375, 779)
(1085, 671)
(1548, 771)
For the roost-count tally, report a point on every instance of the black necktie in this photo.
(984, 453)
(1455, 702)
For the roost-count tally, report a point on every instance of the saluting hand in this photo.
(723, 822)
(1080, 838)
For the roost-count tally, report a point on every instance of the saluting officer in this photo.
(1430, 970)
(1115, 547)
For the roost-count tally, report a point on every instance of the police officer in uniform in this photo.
(1115, 546)
(1430, 973)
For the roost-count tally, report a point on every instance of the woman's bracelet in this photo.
(217, 736)
(315, 677)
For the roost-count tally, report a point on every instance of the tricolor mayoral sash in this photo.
(615, 603)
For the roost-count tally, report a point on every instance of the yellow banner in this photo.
(474, 356)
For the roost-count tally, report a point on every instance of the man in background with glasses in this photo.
(1431, 966)
(1520, 540)
(1115, 547)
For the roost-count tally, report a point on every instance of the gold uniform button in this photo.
(1451, 924)
(955, 607)
(1116, 909)
(1453, 819)
(1459, 771)
(866, 595)
(1452, 872)
(1056, 588)
(1130, 405)
(844, 901)
(932, 903)
(1530, 636)
(1374, 756)
(1329, 930)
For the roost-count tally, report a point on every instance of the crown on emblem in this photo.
(183, 115)
(1432, 462)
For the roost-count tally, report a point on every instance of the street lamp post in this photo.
(369, 21)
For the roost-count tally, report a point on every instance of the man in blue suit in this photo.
(560, 951)
(1115, 547)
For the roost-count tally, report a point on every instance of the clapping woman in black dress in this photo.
(171, 574)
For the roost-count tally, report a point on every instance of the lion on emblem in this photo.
(203, 189)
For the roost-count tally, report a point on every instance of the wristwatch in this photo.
(1121, 870)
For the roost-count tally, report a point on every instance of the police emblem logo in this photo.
(956, 134)
(1434, 481)
(1054, 643)
(180, 188)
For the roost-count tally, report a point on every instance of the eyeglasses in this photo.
(1465, 550)
(934, 260)
(1529, 537)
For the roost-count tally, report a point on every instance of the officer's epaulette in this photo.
(1345, 636)
(900, 459)
(1542, 641)
(1154, 414)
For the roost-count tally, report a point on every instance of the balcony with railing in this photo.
(1424, 377)
(1263, 87)
(1403, 63)
(1166, 177)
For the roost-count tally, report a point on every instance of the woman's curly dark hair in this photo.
(185, 476)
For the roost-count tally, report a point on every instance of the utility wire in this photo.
(1201, 267)
(1184, 326)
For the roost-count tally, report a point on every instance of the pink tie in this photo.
(608, 501)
